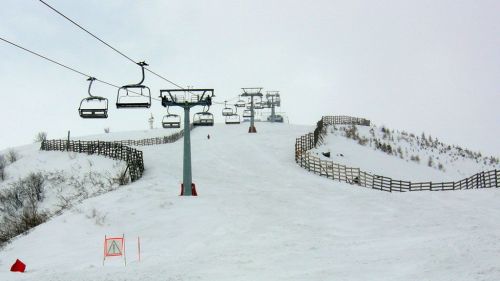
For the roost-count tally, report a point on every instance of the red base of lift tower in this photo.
(252, 129)
(193, 190)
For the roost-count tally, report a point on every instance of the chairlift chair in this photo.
(247, 113)
(227, 111)
(277, 118)
(203, 118)
(258, 104)
(240, 103)
(93, 107)
(128, 96)
(171, 121)
(233, 119)
(277, 101)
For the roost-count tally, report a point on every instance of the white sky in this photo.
(431, 66)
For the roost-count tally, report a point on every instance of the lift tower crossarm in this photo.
(204, 101)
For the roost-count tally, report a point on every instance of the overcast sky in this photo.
(422, 65)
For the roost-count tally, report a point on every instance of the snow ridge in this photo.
(355, 176)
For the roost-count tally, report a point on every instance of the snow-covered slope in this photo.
(259, 216)
(68, 176)
(448, 163)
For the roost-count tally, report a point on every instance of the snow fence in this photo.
(118, 151)
(329, 169)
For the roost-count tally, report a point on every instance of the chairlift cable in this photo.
(60, 64)
(231, 99)
(46, 58)
(113, 48)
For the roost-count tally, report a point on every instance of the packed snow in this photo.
(259, 216)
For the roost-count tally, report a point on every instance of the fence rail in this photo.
(133, 157)
(345, 120)
(334, 171)
(155, 141)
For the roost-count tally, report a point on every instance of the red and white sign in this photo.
(114, 247)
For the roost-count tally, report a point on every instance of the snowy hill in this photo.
(67, 175)
(259, 216)
(414, 158)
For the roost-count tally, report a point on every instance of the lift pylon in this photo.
(252, 92)
(170, 98)
(273, 100)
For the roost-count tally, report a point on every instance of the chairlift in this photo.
(258, 104)
(203, 118)
(277, 101)
(93, 106)
(240, 103)
(233, 119)
(171, 121)
(277, 118)
(227, 111)
(134, 95)
(247, 113)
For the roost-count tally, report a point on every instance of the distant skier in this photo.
(208, 136)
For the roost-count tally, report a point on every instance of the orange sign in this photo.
(114, 247)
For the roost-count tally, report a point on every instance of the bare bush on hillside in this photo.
(41, 136)
(12, 156)
(19, 206)
(3, 164)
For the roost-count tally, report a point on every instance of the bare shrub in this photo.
(122, 177)
(430, 162)
(12, 156)
(363, 141)
(352, 132)
(3, 164)
(19, 206)
(41, 136)
(99, 218)
(440, 167)
(64, 202)
(415, 158)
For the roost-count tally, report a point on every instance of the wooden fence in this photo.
(345, 120)
(133, 157)
(329, 169)
(157, 140)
